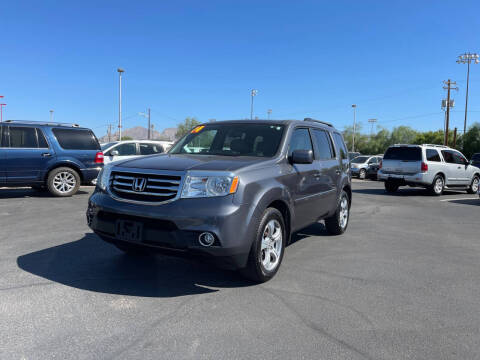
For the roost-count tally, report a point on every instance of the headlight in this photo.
(104, 177)
(209, 185)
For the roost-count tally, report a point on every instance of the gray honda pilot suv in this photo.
(231, 191)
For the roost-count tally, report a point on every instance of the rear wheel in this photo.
(337, 224)
(473, 189)
(63, 181)
(390, 186)
(437, 186)
(268, 246)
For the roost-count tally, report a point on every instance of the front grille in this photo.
(157, 188)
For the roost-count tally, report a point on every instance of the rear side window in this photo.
(23, 137)
(149, 149)
(300, 141)
(433, 155)
(128, 149)
(71, 139)
(405, 153)
(323, 145)
(340, 145)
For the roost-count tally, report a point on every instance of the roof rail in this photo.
(318, 121)
(436, 145)
(34, 122)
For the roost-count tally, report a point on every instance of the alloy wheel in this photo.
(64, 182)
(271, 249)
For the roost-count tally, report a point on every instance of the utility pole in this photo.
(253, 94)
(372, 121)
(455, 137)
(269, 112)
(149, 127)
(448, 87)
(109, 132)
(51, 115)
(1, 109)
(120, 71)
(354, 107)
(467, 58)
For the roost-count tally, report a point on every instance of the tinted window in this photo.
(323, 145)
(42, 142)
(149, 149)
(23, 137)
(459, 158)
(107, 145)
(300, 141)
(71, 139)
(405, 153)
(433, 155)
(244, 139)
(340, 145)
(127, 149)
(448, 156)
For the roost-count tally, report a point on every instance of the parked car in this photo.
(54, 156)
(128, 149)
(475, 161)
(236, 202)
(435, 167)
(364, 166)
(353, 155)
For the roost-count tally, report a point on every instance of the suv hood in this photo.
(191, 162)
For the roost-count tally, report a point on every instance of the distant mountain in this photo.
(141, 133)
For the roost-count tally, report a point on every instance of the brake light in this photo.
(424, 167)
(99, 158)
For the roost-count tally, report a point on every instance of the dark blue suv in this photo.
(53, 156)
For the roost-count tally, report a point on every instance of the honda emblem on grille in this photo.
(139, 184)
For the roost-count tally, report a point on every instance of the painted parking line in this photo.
(471, 198)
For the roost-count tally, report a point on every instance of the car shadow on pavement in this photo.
(406, 191)
(91, 264)
(17, 193)
(466, 201)
(317, 229)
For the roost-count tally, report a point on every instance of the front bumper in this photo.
(173, 228)
(420, 179)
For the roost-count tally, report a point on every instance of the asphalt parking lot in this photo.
(402, 283)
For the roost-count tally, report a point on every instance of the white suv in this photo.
(435, 167)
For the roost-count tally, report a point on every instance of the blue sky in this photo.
(192, 58)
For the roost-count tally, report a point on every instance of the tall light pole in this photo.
(120, 71)
(51, 115)
(354, 107)
(467, 58)
(269, 112)
(372, 121)
(253, 93)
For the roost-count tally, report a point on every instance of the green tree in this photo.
(403, 135)
(186, 126)
(127, 138)
(471, 141)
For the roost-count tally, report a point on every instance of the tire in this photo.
(63, 182)
(338, 222)
(390, 187)
(473, 189)
(131, 249)
(437, 186)
(268, 247)
(362, 174)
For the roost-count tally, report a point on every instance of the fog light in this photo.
(206, 239)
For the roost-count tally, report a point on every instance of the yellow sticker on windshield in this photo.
(197, 129)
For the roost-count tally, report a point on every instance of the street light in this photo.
(253, 93)
(467, 58)
(354, 125)
(120, 72)
(51, 115)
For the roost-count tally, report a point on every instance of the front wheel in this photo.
(473, 189)
(337, 224)
(362, 174)
(268, 246)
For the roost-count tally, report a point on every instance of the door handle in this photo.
(46, 154)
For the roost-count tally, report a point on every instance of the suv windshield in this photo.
(360, 159)
(260, 140)
(405, 153)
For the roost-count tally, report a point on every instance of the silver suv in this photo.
(435, 167)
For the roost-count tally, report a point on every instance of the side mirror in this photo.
(114, 153)
(302, 157)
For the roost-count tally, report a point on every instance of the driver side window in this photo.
(300, 141)
(128, 149)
